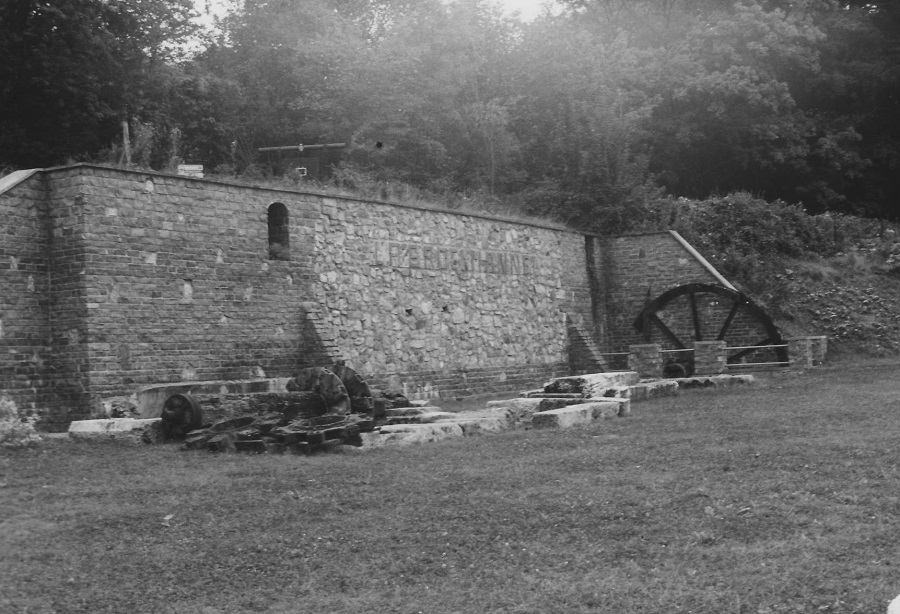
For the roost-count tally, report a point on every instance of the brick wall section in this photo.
(24, 302)
(69, 369)
(638, 268)
(180, 285)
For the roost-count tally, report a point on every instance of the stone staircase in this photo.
(584, 355)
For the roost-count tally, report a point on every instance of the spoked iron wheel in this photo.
(707, 312)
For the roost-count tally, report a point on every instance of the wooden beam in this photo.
(698, 331)
(734, 308)
(667, 332)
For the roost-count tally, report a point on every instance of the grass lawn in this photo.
(780, 498)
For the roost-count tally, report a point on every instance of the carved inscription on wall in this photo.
(418, 256)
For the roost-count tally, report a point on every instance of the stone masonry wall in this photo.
(68, 370)
(436, 295)
(154, 278)
(180, 285)
(24, 281)
(114, 280)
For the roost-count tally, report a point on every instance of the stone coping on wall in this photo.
(16, 177)
(284, 190)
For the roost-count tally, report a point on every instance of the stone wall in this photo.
(122, 279)
(150, 278)
(180, 285)
(421, 292)
(24, 281)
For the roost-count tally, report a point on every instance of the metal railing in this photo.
(751, 348)
(621, 358)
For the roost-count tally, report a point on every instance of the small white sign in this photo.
(190, 170)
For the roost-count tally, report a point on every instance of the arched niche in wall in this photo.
(279, 232)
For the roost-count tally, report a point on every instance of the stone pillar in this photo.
(819, 349)
(800, 353)
(710, 357)
(646, 359)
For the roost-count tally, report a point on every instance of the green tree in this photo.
(581, 121)
(73, 70)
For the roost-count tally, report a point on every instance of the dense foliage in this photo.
(588, 115)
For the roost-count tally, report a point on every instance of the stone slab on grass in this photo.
(575, 415)
(408, 434)
(486, 421)
(715, 381)
(645, 391)
(604, 410)
(564, 417)
(624, 406)
(395, 412)
(434, 416)
(592, 385)
(111, 428)
(523, 409)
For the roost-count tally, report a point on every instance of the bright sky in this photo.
(529, 9)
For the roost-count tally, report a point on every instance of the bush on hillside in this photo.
(748, 239)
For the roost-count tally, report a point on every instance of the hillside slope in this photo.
(852, 297)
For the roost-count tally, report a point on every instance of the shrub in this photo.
(16, 429)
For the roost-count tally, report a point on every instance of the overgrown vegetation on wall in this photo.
(748, 239)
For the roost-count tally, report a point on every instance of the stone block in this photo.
(646, 359)
(710, 357)
(602, 410)
(564, 417)
(523, 409)
(819, 348)
(592, 384)
(396, 412)
(800, 354)
(433, 416)
(652, 390)
(126, 429)
(408, 434)
(485, 424)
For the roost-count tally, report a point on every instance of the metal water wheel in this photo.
(708, 312)
(181, 414)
